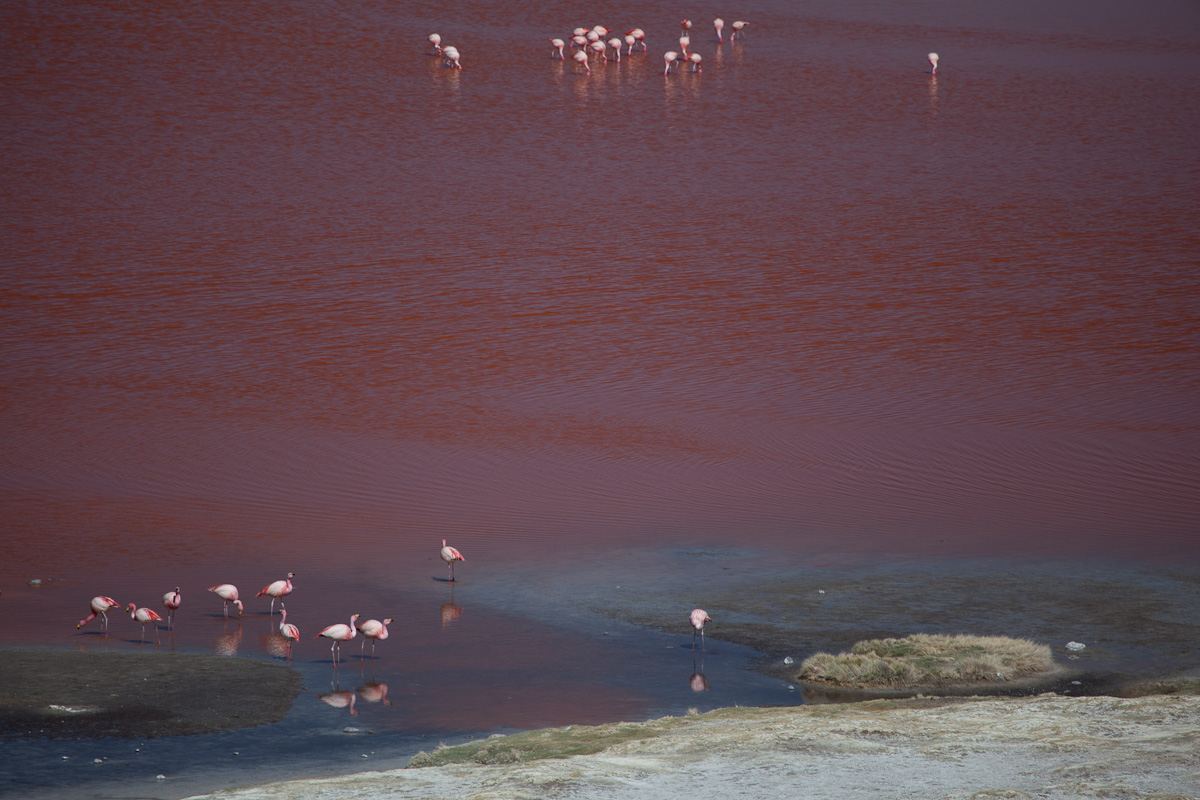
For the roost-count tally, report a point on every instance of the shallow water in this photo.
(280, 292)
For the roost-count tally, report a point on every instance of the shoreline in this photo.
(1046, 746)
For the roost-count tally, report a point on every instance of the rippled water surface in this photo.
(281, 292)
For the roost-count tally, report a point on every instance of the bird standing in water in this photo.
(171, 602)
(145, 616)
(933, 59)
(277, 590)
(698, 618)
(339, 633)
(229, 593)
(450, 554)
(373, 629)
(100, 607)
(287, 630)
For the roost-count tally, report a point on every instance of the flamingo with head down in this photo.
(229, 593)
(100, 607)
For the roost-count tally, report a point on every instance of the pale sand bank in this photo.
(1047, 746)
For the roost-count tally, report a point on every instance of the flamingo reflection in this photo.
(698, 682)
(450, 611)
(340, 698)
(228, 643)
(374, 693)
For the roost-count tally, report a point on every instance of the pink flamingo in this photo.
(556, 49)
(581, 59)
(695, 59)
(698, 618)
(686, 26)
(933, 59)
(339, 633)
(229, 593)
(450, 554)
(738, 27)
(684, 41)
(639, 36)
(373, 629)
(630, 41)
(287, 630)
(171, 602)
(277, 590)
(450, 56)
(614, 44)
(436, 41)
(669, 58)
(100, 607)
(145, 616)
(719, 24)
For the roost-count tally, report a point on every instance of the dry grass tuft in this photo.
(929, 660)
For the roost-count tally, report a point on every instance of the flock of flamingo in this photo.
(591, 46)
(372, 629)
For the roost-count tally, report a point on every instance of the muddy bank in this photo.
(1045, 746)
(73, 694)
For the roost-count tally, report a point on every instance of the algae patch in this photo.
(929, 661)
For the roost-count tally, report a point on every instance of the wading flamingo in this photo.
(684, 41)
(695, 59)
(738, 27)
(229, 593)
(556, 49)
(171, 602)
(339, 633)
(451, 57)
(100, 607)
(373, 629)
(145, 616)
(614, 46)
(639, 36)
(669, 59)
(685, 27)
(581, 59)
(436, 41)
(698, 618)
(933, 59)
(287, 630)
(450, 554)
(277, 590)
(719, 25)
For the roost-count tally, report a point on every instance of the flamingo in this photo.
(686, 26)
(145, 616)
(287, 630)
(614, 44)
(100, 607)
(600, 31)
(339, 633)
(277, 590)
(373, 629)
(580, 58)
(698, 618)
(639, 36)
(450, 554)
(738, 27)
(669, 57)
(172, 601)
(229, 593)
(684, 41)
(556, 49)
(719, 24)
(451, 56)
(933, 59)
(598, 47)
(630, 40)
(695, 59)
(436, 41)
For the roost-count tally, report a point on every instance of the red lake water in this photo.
(280, 292)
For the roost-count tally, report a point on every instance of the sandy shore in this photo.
(84, 695)
(1047, 746)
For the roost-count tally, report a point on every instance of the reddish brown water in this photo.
(280, 292)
